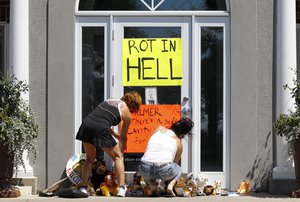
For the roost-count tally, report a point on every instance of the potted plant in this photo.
(288, 126)
(18, 127)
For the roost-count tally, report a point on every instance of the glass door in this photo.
(211, 90)
(91, 70)
(152, 58)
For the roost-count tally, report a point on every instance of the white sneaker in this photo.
(122, 191)
(83, 190)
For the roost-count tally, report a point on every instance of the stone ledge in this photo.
(282, 186)
(27, 182)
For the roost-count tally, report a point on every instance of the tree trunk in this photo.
(7, 166)
(297, 158)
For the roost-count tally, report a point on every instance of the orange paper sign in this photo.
(146, 121)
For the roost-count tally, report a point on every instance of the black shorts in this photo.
(96, 130)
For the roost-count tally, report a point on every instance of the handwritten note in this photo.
(146, 121)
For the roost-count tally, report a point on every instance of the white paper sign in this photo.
(151, 95)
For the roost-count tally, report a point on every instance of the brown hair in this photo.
(133, 100)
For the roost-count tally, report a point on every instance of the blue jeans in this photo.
(163, 171)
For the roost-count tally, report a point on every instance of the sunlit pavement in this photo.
(253, 197)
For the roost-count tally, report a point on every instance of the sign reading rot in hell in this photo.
(152, 62)
(146, 121)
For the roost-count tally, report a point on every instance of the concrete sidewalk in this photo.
(261, 197)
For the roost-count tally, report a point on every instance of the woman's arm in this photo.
(116, 135)
(126, 119)
(179, 151)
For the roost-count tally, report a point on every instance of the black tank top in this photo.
(112, 114)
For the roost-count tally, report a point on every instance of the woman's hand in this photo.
(122, 146)
(116, 135)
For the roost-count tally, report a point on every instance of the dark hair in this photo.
(183, 126)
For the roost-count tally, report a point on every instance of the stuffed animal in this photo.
(99, 172)
(186, 186)
(138, 181)
(109, 186)
(201, 180)
(160, 187)
(191, 185)
(217, 188)
(244, 188)
(208, 189)
(178, 188)
(138, 185)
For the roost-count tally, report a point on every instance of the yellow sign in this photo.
(152, 62)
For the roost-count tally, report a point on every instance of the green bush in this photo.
(18, 124)
(288, 125)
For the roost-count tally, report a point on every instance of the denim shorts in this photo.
(163, 171)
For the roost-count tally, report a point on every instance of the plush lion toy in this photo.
(244, 188)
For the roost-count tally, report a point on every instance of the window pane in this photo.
(92, 71)
(117, 5)
(192, 5)
(137, 5)
(152, 32)
(92, 68)
(211, 98)
(165, 94)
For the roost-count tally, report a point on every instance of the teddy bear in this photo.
(99, 172)
(244, 188)
(109, 186)
(201, 180)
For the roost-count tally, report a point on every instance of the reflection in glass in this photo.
(212, 98)
(165, 94)
(92, 68)
(2, 50)
(138, 5)
(92, 71)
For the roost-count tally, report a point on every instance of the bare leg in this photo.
(116, 155)
(170, 187)
(90, 151)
